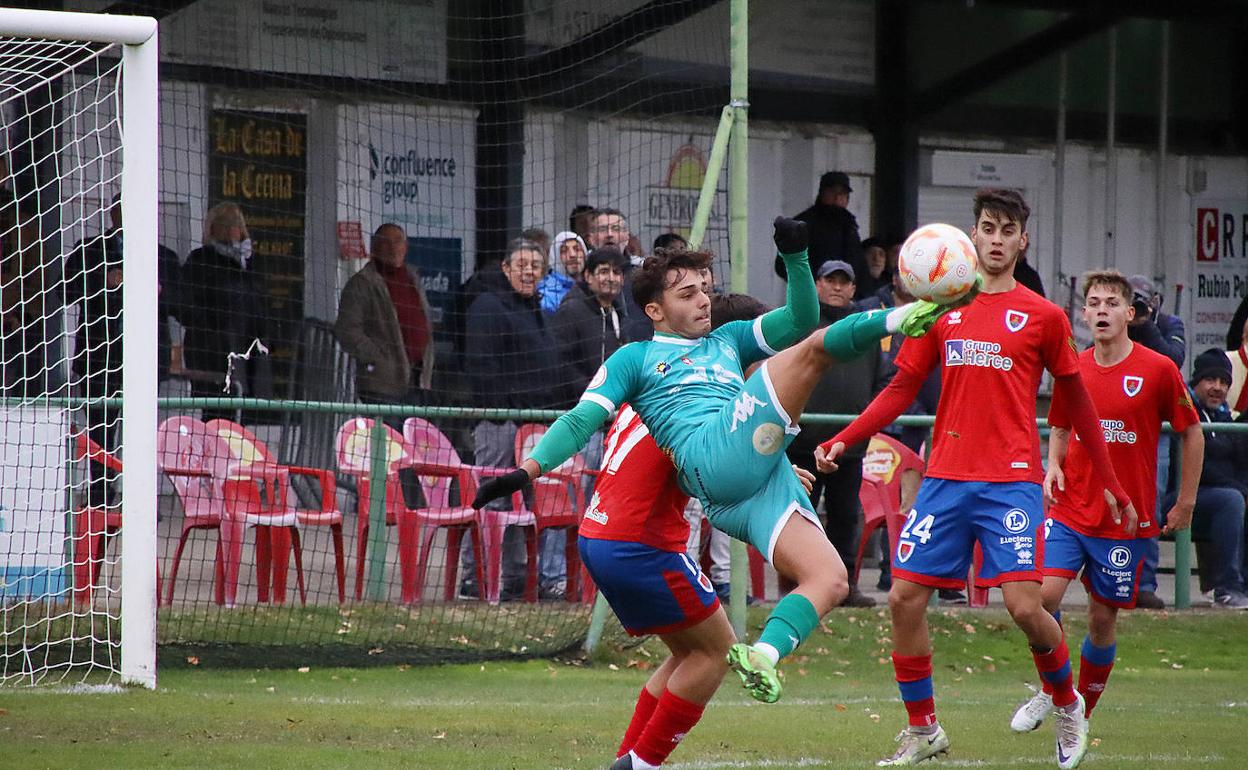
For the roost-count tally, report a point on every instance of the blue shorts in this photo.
(651, 591)
(937, 542)
(1111, 566)
(737, 467)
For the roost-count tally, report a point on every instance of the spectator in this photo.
(670, 241)
(588, 328)
(222, 310)
(581, 220)
(843, 389)
(610, 228)
(1025, 274)
(509, 357)
(1164, 334)
(878, 275)
(566, 262)
(833, 230)
(1218, 518)
(383, 323)
(1237, 397)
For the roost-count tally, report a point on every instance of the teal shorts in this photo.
(737, 467)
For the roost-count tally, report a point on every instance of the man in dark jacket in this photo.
(846, 388)
(1218, 518)
(509, 357)
(589, 328)
(833, 230)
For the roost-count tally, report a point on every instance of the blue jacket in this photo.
(553, 288)
(509, 353)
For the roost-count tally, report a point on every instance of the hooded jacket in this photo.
(556, 284)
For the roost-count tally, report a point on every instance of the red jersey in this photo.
(636, 497)
(1132, 397)
(992, 353)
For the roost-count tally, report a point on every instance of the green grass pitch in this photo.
(1178, 698)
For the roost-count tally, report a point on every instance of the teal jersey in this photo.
(678, 384)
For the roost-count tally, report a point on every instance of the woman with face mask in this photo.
(223, 309)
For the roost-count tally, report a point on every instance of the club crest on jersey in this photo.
(905, 549)
(1015, 320)
(663, 368)
(1131, 385)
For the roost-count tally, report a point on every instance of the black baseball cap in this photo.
(835, 179)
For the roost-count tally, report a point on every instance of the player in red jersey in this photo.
(984, 476)
(1134, 390)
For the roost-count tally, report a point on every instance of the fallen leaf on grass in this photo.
(303, 669)
(194, 661)
(439, 736)
(968, 628)
(875, 717)
(613, 667)
(841, 707)
(4, 712)
(1096, 741)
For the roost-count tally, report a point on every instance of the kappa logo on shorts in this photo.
(1015, 520)
(743, 410)
(1131, 385)
(1015, 320)
(1119, 556)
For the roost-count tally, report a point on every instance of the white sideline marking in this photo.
(1146, 759)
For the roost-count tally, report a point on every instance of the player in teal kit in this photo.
(727, 435)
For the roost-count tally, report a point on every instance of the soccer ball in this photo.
(938, 263)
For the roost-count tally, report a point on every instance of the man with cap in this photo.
(833, 229)
(843, 389)
(1218, 518)
(1164, 334)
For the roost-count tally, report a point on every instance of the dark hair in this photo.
(670, 241)
(650, 279)
(1002, 202)
(1111, 278)
(578, 210)
(734, 307)
(873, 242)
(605, 255)
(536, 235)
(372, 242)
(607, 211)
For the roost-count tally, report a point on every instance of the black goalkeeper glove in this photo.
(790, 236)
(500, 486)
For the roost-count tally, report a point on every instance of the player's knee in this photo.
(904, 603)
(1026, 614)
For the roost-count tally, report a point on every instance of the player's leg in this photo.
(1032, 714)
(933, 551)
(1112, 578)
(692, 675)
(795, 544)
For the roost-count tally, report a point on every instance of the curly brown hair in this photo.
(650, 279)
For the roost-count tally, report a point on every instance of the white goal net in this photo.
(72, 145)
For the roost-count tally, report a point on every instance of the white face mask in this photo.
(240, 250)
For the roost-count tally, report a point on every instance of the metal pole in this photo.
(1059, 167)
(597, 622)
(738, 236)
(379, 450)
(1182, 551)
(1163, 131)
(1111, 156)
(710, 182)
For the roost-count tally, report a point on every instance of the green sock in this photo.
(854, 335)
(789, 624)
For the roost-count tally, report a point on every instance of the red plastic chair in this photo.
(880, 494)
(252, 455)
(92, 525)
(436, 462)
(558, 503)
(216, 493)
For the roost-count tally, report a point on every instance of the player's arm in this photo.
(786, 325)
(613, 385)
(1180, 515)
(1059, 443)
(882, 410)
(1084, 420)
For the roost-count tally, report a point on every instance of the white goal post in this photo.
(139, 177)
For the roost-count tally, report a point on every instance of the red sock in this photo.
(1045, 687)
(673, 718)
(1095, 663)
(641, 715)
(1054, 668)
(914, 679)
